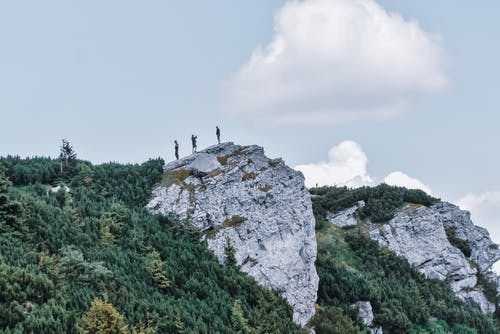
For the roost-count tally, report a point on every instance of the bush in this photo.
(102, 318)
(380, 201)
(463, 245)
(333, 320)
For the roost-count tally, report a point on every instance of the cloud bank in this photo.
(347, 166)
(402, 180)
(333, 61)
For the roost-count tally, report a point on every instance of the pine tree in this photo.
(107, 237)
(144, 328)
(156, 268)
(103, 318)
(67, 157)
(179, 325)
(238, 321)
(68, 154)
(10, 211)
(112, 223)
(87, 175)
(230, 258)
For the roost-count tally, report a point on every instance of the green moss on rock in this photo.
(175, 177)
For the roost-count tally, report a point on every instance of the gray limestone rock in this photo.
(365, 313)
(476, 297)
(484, 252)
(56, 189)
(418, 233)
(345, 217)
(260, 205)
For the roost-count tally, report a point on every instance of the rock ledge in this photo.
(260, 205)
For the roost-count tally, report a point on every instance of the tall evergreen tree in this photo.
(156, 268)
(230, 258)
(238, 320)
(9, 210)
(67, 158)
(103, 318)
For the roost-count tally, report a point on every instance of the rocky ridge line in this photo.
(260, 205)
(421, 235)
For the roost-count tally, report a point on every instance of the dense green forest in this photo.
(352, 267)
(93, 260)
(380, 202)
(90, 259)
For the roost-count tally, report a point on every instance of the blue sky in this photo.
(122, 79)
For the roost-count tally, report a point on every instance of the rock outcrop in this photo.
(260, 206)
(365, 313)
(422, 235)
(484, 252)
(346, 217)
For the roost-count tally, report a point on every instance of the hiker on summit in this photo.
(217, 133)
(193, 142)
(176, 149)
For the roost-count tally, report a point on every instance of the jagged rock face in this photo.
(345, 217)
(260, 205)
(365, 313)
(418, 233)
(484, 252)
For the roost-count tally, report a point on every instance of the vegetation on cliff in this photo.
(353, 268)
(380, 202)
(93, 260)
(70, 259)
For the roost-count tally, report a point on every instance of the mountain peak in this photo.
(236, 194)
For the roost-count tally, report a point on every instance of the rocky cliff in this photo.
(260, 206)
(441, 241)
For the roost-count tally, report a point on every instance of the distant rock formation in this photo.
(346, 217)
(235, 193)
(425, 235)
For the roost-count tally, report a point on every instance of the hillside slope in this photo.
(235, 194)
(354, 268)
(63, 250)
(60, 251)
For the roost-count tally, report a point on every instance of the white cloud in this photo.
(347, 166)
(485, 211)
(334, 61)
(402, 180)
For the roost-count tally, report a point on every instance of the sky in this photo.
(348, 91)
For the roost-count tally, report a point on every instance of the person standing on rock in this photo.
(193, 142)
(176, 149)
(217, 133)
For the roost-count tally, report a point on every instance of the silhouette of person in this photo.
(176, 149)
(193, 142)
(217, 132)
